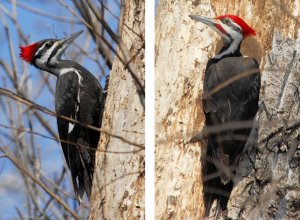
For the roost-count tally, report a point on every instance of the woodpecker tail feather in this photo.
(83, 169)
(84, 185)
(78, 189)
(71, 155)
(216, 176)
(80, 159)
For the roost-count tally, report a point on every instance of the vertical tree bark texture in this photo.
(182, 52)
(268, 185)
(118, 189)
(269, 181)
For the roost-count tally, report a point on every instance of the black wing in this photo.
(235, 102)
(82, 102)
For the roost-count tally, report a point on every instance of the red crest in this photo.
(27, 52)
(247, 30)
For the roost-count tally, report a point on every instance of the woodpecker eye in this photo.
(48, 44)
(226, 21)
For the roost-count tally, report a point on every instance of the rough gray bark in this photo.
(118, 187)
(267, 185)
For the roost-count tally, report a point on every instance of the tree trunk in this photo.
(118, 189)
(181, 56)
(268, 178)
(268, 184)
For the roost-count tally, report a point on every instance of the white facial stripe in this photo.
(237, 37)
(53, 58)
(58, 53)
(38, 51)
(221, 34)
(41, 61)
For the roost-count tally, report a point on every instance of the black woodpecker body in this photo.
(230, 97)
(78, 96)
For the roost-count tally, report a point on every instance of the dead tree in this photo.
(118, 187)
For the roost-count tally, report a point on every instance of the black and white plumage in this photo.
(78, 96)
(233, 104)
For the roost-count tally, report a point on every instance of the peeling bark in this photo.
(118, 187)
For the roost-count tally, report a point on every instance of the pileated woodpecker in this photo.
(78, 96)
(230, 97)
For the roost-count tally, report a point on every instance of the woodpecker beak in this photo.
(64, 43)
(68, 40)
(211, 22)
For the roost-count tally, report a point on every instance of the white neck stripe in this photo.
(66, 70)
(231, 49)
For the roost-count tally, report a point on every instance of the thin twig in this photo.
(66, 141)
(122, 57)
(49, 112)
(231, 80)
(47, 15)
(22, 169)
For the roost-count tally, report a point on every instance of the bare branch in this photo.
(124, 57)
(66, 141)
(47, 15)
(49, 112)
(22, 169)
